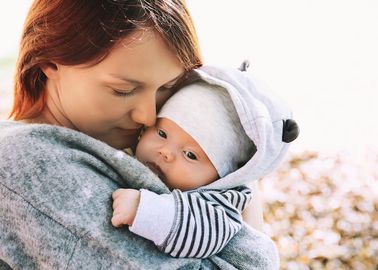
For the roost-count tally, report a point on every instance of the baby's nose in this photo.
(167, 154)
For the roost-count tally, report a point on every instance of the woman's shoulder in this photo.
(14, 133)
(13, 129)
(32, 135)
(22, 143)
(9, 127)
(6, 125)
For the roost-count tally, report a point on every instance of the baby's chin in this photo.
(168, 182)
(178, 186)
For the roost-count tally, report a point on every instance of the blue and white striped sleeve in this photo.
(205, 221)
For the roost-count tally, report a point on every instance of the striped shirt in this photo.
(205, 221)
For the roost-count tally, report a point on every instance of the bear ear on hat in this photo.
(244, 66)
(290, 130)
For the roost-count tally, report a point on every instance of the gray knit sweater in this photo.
(55, 208)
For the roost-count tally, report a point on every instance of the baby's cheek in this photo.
(142, 149)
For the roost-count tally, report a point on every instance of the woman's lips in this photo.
(129, 131)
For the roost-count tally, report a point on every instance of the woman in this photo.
(102, 68)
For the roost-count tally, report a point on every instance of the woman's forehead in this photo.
(144, 57)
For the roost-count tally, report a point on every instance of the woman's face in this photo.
(113, 99)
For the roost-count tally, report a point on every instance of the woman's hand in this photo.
(125, 205)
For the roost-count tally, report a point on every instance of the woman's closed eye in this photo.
(123, 93)
(190, 155)
(131, 92)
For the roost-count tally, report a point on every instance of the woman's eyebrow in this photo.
(132, 81)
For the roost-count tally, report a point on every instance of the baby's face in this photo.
(175, 156)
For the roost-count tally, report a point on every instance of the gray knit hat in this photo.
(206, 112)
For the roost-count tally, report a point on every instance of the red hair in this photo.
(73, 32)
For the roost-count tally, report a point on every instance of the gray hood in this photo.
(266, 118)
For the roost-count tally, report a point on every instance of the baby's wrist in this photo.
(134, 203)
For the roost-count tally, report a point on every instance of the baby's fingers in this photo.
(116, 193)
(117, 220)
(115, 204)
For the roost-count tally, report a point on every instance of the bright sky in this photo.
(321, 56)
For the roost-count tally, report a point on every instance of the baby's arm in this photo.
(188, 224)
(208, 220)
(148, 214)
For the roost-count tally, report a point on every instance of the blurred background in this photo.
(320, 206)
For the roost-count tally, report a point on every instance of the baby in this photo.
(197, 140)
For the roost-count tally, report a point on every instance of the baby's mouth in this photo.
(156, 170)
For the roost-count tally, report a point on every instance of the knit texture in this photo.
(55, 211)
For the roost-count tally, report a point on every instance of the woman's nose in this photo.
(144, 111)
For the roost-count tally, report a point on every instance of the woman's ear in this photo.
(50, 70)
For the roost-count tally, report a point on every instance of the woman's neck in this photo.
(46, 117)
(52, 113)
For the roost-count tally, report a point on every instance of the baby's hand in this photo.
(125, 205)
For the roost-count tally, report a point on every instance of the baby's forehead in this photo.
(177, 133)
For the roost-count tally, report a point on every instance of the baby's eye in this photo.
(190, 155)
(162, 133)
